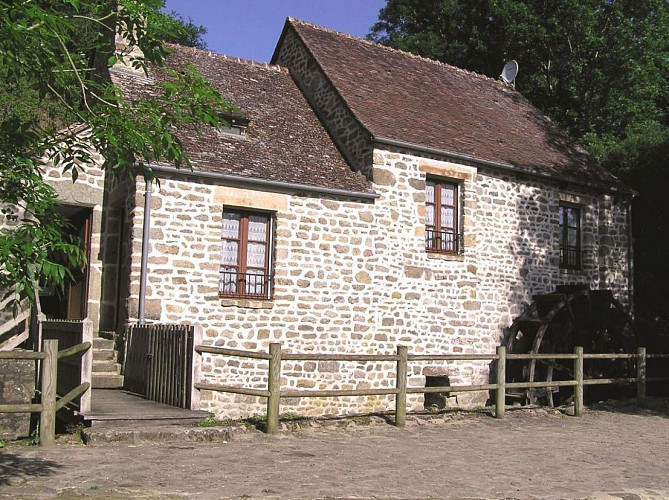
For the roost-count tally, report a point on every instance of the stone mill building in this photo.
(362, 198)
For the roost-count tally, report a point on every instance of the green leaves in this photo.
(28, 254)
(58, 106)
(597, 68)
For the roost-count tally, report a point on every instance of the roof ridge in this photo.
(398, 51)
(240, 60)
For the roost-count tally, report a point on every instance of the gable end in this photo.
(352, 139)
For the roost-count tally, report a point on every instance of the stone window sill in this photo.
(457, 257)
(574, 272)
(247, 303)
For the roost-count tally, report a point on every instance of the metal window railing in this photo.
(245, 285)
(571, 257)
(444, 241)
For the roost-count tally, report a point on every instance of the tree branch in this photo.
(76, 71)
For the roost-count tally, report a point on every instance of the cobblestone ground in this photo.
(620, 452)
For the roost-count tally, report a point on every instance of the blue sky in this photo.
(250, 28)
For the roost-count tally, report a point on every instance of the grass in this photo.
(74, 428)
(34, 438)
(258, 418)
(212, 421)
(289, 415)
(261, 418)
(31, 440)
(255, 420)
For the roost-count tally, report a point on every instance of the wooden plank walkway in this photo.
(108, 405)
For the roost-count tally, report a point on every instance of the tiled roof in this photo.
(284, 142)
(399, 96)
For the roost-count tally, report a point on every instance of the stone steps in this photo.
(105, 355)
(164, 434)
(106, 381)
(106, 371)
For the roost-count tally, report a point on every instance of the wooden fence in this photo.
(402, 358)
(14, 328)
(159, 363)
(72, 370)
(50, 403)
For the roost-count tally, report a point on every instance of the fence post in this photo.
(500, 379)
(196, 368)
(641, 376)
(578, 377)
(47, 417)
(274, 387)
(86, 365)
(401, 385)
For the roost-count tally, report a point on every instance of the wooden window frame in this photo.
(435, 244)
(243, 288)
(571, 256)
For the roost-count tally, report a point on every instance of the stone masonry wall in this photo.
(86, 191)
(350, 136)
(354, 277)
(117, 248)
(518, 244)
(17, 386)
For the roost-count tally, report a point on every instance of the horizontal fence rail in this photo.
(22, 355)
(274, 394)
(231, 352)
(50, 402)
(22, 407)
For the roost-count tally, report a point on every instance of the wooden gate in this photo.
(158, 363)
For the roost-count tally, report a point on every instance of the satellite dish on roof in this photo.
(509, 72)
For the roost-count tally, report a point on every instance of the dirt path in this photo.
(621, 454)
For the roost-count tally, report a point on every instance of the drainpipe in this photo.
(145, 253)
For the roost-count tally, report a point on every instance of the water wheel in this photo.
(557, 323)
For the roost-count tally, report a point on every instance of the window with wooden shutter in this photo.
(246, 254)
(442, 217)
(570, 237)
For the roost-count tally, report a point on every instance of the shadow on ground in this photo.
(15, 468)
(656, 407)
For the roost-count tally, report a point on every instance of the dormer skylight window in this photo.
(233, 125)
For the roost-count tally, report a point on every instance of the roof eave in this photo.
(256, 183)
(498, 165)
